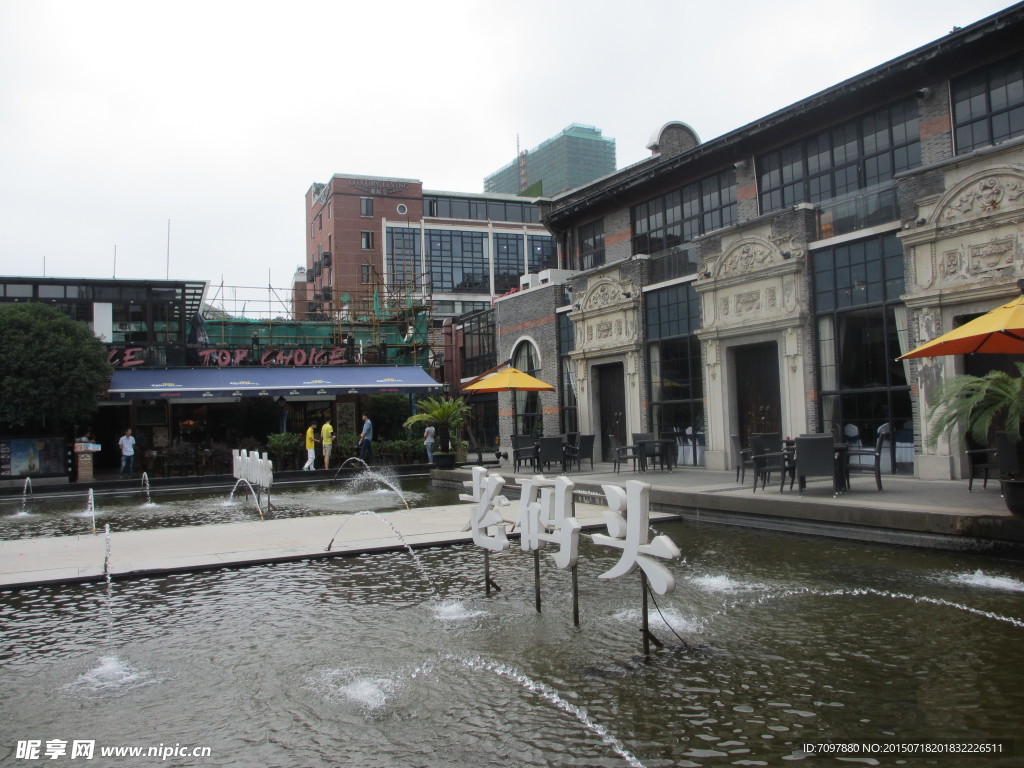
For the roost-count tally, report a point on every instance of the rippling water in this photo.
(770, 639)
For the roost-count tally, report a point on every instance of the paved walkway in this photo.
(936, 513)
(909, 511)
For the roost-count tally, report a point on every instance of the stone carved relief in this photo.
(961, 263)
(952, 266)
(747, 302)
(607, 293)
(984, 257)
(982, 195)
(724, 304)
(754, 253)
(711, 358)
(924, 269)
(746, 257)
(770, 298)
(791, 347)
(789, 299)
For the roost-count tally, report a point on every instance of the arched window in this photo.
(526, 405)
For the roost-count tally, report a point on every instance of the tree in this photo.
(446, 415)
(53, 370)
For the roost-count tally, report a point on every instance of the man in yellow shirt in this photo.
(311, 441)
(327, 440)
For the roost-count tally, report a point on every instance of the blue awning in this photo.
(137, 384)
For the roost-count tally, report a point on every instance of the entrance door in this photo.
(758, 403)
(611, 402)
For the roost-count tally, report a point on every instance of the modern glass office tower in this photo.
(576, 156)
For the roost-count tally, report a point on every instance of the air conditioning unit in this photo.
(527, 281)
(325, 257)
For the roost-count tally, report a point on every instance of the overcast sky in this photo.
(117, 117)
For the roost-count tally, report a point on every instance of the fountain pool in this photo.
(772, 640)
(68, 514)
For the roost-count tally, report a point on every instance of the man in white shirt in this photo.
(127, 446)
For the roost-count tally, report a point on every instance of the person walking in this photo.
(327, 441)
(428, 441)
(311, 441)
(127, 446)
(365, 440)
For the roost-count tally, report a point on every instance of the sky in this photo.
(154, 140)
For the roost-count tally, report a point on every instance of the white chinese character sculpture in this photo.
(545, 515)
(631, 535)
(485, 513)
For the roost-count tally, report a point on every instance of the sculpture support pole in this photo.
(536, 578)
(645, 630)
(575, 597)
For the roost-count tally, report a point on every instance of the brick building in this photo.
(766, 281)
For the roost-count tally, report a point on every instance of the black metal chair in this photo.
(874, 454)
(621, 453)
(767, 457)
(523, 452)
(584, 449)
(551, 452)
(743, 458)
(816, 457)
(982, 461)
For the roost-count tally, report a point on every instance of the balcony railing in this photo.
(680, 261)
(849, 214)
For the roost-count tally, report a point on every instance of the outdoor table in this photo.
(663, 446)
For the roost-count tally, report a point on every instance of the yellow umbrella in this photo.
(508, 380)
(1000, 331)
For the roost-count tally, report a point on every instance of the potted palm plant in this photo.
(982, 405)
(447, 417)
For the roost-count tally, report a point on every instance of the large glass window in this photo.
(592, 245)
(508, 262)
(569, 409)
(527, 414)
(457, 261)
(403, 257)
(480, 209)
(859, 323)
(988, 105)
(543, 254)
(668, 221)
(674, 359)
(861, 153)
(478, 351)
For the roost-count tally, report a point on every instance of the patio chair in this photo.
(742, 457)
(874, 464)
(767, 457)
(583, 450)
(523, 452)
(816, 457)
(621, 453)
(551, 452)
(981, 461)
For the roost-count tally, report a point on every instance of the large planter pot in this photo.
(1013, 495)
(444, 460)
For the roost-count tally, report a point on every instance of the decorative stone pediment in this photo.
(607, 293)
(752, 254)
(983, 194)
(607, 317)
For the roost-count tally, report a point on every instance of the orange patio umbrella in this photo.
(1000, 331)
(508, 380)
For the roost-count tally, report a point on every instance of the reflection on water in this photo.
(372, 660)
